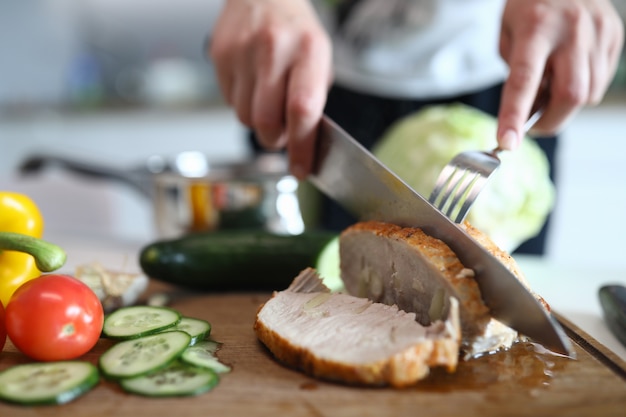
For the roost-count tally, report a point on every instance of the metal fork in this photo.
(464, 177)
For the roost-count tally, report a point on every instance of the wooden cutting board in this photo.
(520, 382)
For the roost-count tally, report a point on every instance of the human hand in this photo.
(570, 47)
(273, 63)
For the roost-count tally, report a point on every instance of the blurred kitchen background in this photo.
(114, 81)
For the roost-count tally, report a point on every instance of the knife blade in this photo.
(349, 174)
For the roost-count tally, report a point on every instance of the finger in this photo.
(268, 105)
(570, 81)
(222, 61)
(243, 87)
(219, 46)
(225, 81)
(306, 96)
(617, 44)
(599, 77)
(505, 45)
(599, 71)
(605, 56)
(569, 91)
(527, 62)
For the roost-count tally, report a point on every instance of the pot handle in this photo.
(137, 179)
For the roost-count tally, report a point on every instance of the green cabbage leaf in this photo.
(517, 199)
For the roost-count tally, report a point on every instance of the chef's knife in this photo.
(349, 174)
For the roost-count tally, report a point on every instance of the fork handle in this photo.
(541, 101)
(534, 118)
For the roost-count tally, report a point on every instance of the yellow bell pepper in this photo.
(23, 255)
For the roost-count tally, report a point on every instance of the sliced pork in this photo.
(403, 266)
(353, 340)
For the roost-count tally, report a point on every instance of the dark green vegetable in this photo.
(233, 260)
(613, 302)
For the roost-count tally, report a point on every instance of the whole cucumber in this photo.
(239, 260)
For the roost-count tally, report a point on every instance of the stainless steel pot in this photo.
(190, 194)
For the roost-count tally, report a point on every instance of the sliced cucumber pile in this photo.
(42, 383)
(160, 352)
(137, 321)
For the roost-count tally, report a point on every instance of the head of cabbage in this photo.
(518, 197)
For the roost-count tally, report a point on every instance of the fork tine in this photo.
(459, 184)
(451, 186)
(465, 185)
(453, 183)
(477, 185)
(442, 181)
(448, 186)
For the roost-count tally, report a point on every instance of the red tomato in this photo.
(3, 332)
(54, 317)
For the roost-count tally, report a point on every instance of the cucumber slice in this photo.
(211, 346)
(202, 354)
(196, 328)
(137, 321)
(47, 382)
(135, 357)
(175, 380)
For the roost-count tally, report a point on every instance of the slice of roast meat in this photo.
(403, 266)
(353, 340)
